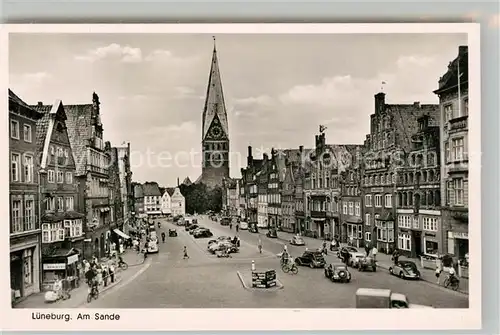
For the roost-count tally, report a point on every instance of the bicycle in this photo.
(123, 265)
(452, 283)
(94, 293)
(286, 268)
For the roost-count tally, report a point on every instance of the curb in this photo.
(427, 281)
(279, 285)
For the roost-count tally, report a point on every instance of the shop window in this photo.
(404, 241)
(28, 267)
(431, 247)
(430, 223)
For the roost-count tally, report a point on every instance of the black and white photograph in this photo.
(264, 169)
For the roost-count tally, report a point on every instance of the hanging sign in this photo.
(56, 266)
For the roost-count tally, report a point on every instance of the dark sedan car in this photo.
(203, 232)
(313, 259)
(272, 233)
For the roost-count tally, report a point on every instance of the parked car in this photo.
(243, 225)
(253, 228)
(313, 259)
(225, 221)
(350, 249)
(172, 232)
(366, 263)
(191, 228)
(271, 233)
(405, 270)
(218, 246)
(355, 258)
(202, 233)
(338, 273)
(217, 240)
(297, 240)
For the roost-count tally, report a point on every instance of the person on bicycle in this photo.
(284, 256)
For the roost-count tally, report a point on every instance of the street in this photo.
(205, 281)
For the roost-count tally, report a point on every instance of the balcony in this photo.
(459, 123)
(318, 214)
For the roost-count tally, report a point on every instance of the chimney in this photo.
(265, 157)
(416, 104)
(178, 182)
(40, 103)
(249, 157)
(301, 148)
(379, 102)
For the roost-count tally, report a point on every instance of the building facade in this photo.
(352, 204)
(215, 131)
(126, 190)
(250, 188)
(173, 202)
(139, 200)
(25, 233)
(116, 226)
(387, 149)
(274, 190)
(418, 197)
(262, 185)
(152, 199)
(85, 132)
(288, 199)
(61, 218)
(453, 93)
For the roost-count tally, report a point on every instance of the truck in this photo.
(382, 298)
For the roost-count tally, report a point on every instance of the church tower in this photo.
(215, 130)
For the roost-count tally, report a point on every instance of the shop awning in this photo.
(354, 220)
(120, 233)
(51, 218)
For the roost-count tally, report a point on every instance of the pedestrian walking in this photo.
(260, 245)
(105, 276)
(367, 249)
(186, 256)
(438, 274)
(395, 256)
(237, 228)
(374, 253)
(112, 272)
(230, 226)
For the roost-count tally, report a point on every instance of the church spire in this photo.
(214, 100)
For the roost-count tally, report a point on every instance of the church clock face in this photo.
(216, 132)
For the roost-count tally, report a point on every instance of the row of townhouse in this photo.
(66, 191)
(152, 201)
(405, 187)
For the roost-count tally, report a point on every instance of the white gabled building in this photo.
(173, 202)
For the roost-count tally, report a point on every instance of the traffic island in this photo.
(260, 280)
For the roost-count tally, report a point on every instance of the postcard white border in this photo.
(266, 319)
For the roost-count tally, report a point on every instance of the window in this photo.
(66, 153)
(431, 247)
(60, 177)
(368, 236)
(50, 204)
(368, 219)
(51, 176)
(29, 214)
(457, 147)
(382, 179)
(430, 224)
(14, 129)
(351, 208)
(69, 178)
(60, 204)
(357, 209)
(368, 200)
(344, 208)
(69, 203)
(28, 267)
(458, 190)
(466, 107)
(378, 200)
(360, 232)
(388, 200)
(27, 135)
(16, 216)
(28, 169)
(448, 113)
(404, 221)
(15, 166)
(404, 241)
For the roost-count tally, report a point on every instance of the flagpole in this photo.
(459, 95)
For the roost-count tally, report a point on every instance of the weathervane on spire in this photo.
(214, 41)
(382, 86)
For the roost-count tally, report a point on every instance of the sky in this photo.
(278, 89)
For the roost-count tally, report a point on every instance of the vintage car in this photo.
(202, 233)
(338, 273)
(172, 233)
(272, 233)
(192, 228)
(243, 225)
(218, 246)
(366, 263)
(297, 240)
(355, 258)
(405, 270)
(350, 249)
(217, 240)
(313, 259)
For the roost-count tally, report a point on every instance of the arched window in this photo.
(418, 199)
(376, 180)
(405, 178)
(424, 176)
(405, 199)
(400, 199)
(417, 178)
(410, 198)
(431, 176)
(430, 198)
(382, 179)
(371, 180)
(410, 178)
(430, 159)
(437, 197)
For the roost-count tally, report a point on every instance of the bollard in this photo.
(253, 265)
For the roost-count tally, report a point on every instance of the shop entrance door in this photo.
(417, 237)
(462, 247)
(16, 273)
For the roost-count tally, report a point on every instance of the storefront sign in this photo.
(72, 259)
(377, 189)
(57, 266)
(463, 236)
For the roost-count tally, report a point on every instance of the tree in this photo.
(200, 199)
